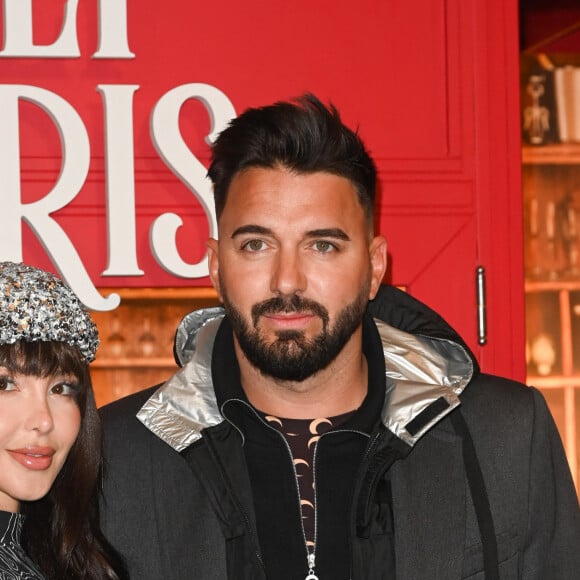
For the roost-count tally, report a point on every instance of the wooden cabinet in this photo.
(551, 186)
(136, 340)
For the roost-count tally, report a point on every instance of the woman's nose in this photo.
(39, 417)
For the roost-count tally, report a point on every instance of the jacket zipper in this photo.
(310, 556)
(311, 564)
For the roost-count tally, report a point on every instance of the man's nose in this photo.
(288, 276)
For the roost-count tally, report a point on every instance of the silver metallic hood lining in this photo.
(420, 371)
(185, 405)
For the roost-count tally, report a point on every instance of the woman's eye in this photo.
(254, 245)
(7, 384)
(66, 389)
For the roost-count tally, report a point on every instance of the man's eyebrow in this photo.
(329, 233)
(336, 233)
(251, 229)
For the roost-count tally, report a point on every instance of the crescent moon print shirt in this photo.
(14, 563)
(302, 436)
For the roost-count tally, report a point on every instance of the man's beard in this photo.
(292, 356)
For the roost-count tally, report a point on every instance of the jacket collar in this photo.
(423, 380)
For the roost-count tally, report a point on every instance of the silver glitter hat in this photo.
(36, 305)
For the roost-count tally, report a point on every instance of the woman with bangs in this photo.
(50, 435)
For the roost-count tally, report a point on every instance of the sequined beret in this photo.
(37, 306)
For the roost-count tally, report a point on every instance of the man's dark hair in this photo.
(302, 135)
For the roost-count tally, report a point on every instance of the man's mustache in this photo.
(286, 305)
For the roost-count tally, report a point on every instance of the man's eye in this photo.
(66, 389)
(324, 247)
(254, 245)
(7, 384)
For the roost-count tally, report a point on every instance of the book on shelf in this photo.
(550, 101)
(567, 90)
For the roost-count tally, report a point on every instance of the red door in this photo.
(451, 187)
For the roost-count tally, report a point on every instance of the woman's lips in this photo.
(35, 458)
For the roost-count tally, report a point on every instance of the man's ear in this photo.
(213, 263)
(378, 256)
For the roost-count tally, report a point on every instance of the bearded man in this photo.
(324, 426)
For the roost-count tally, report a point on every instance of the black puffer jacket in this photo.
(468, 467)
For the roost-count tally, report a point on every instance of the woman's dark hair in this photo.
(303, 136)
(61, 531)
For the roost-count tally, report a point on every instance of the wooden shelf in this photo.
(145, 322)
(552, 285)
(163, 293)
(553, 381)
(134, 362)
(557, 154)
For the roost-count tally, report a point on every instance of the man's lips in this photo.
(290, 318)
(34, 458)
